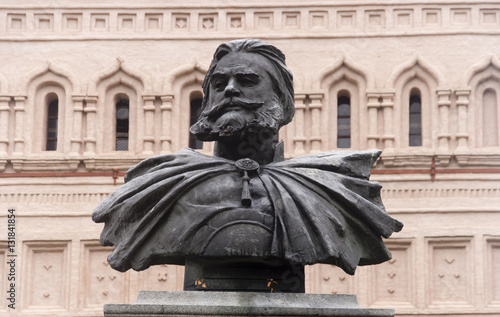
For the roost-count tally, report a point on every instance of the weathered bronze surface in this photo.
(245, 217)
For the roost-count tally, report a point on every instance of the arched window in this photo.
(415, 133)
(343, 120)
(122, 123)
(52, 123)
(195, 108)
(490, 124)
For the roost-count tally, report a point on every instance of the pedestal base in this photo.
(227, 304)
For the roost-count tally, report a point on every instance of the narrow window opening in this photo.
(122, 124)
(415, 133)
(195, 108)
(490, 121)
(343, 120)
(52, 123)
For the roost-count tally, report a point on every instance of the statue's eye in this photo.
(248, 80)
(220, 85)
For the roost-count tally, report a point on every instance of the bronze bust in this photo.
(245, 218)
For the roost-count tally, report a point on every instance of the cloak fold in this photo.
(325, 210)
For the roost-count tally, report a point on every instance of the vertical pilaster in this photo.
(316, 107)
(373, 106)
(91, 116)
(149, 112)
(388, 108)
(299, 140)
(444, 103)
(19, 109)
(4, 124)
(76, 138)
(166, 123)
(462, 107)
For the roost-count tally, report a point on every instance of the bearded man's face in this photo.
(241, 99)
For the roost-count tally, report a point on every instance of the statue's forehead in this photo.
(243, 62)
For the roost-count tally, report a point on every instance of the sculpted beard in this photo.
(218, 123)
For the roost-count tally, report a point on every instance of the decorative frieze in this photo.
(388, 192)
(460, 17)
(16, 23)
(51, 198)
(153, 22)
(431, 18)
(401, 193)
(236, 21)
(489, 17)
(318, 20)
(403, 18)
(72, 22)
(375, 20)
(353, 19)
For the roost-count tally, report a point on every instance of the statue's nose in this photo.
(231, 90)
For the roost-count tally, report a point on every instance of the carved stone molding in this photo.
(393, 281)
(46, 284)
(100, 284)
(450, 273)
(144, 21)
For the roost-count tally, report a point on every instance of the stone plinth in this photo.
(165, 303)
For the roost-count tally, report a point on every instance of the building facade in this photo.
(88, 89)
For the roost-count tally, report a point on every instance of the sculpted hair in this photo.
(282, 78)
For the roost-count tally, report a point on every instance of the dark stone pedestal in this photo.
(227, 304)
(234, 276)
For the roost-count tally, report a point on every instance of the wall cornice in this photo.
(223, 21)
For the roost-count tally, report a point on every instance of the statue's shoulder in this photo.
(352, 163)
(185, 156)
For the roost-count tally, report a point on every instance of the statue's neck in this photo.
(259, 150)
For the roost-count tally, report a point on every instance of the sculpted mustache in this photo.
(218, 109)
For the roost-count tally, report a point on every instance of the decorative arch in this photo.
(416, 75)
(417, 66)
(184, 82)
(488, 66)
(43, 85)
(123, 72)
(118, 82)
(483, 80)
(343, 80)
(48, 71)
(331, 72)
(187, 74)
